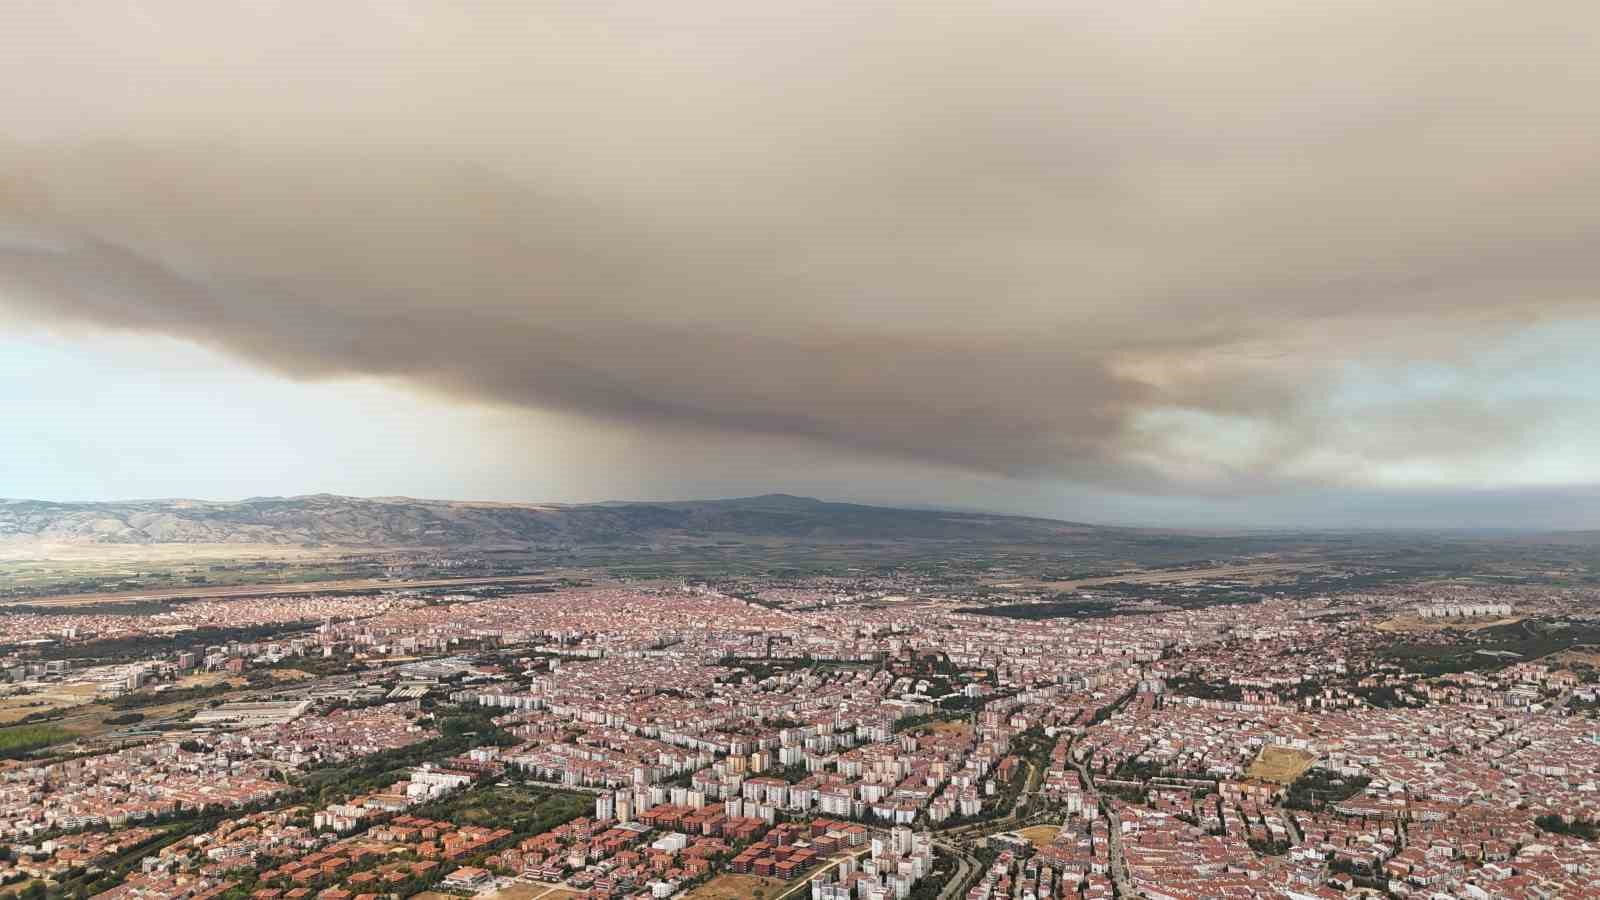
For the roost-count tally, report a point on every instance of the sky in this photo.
(1245, 262)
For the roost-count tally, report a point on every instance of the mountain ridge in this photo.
(332, 519)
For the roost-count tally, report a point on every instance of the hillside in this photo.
(403, 522)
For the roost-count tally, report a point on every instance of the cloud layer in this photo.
(1159, 246)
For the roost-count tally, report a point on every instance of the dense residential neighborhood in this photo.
(613, 741)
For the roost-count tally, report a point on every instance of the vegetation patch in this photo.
(1320, 787)
(525, 810)
(1554, 824)
(20, 740)
(1493, 647)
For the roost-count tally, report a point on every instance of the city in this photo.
(803, 450)
(677, 741)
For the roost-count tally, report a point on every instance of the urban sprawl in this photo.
(690, 741)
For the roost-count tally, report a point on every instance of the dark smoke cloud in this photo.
(1075, 241)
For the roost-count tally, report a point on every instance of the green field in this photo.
(20, 740)
(1495, 647)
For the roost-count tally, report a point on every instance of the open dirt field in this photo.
(272, 590)
(536, 891)
(1254, 571)
(1041, 835)
(28, 565)
(91, 720)
(142, 555)
(1419, 625)
(65, 696)
(208, 679)
(736, 887)
(85, 716)
(1280, 764)
(1582, 655)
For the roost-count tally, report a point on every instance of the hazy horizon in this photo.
(1466, 523)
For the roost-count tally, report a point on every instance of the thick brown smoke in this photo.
(1029, 238)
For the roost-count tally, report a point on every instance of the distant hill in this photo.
(405, 522)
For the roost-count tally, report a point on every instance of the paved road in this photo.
(1509, 736)
(1006, 822)
(829, 863)
(1119, 863)
(1287, 816)
(967, 868)
(956, 886)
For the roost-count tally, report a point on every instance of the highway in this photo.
(967, 869)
